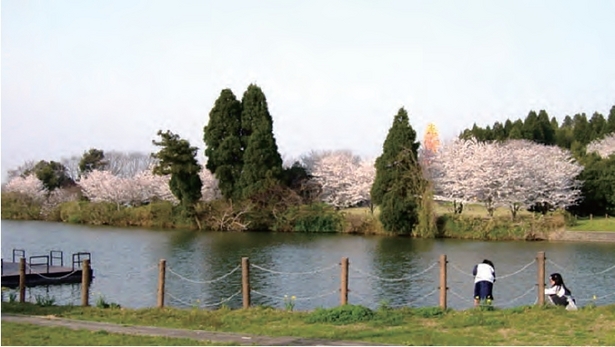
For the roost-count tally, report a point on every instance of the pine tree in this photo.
(598, 126)
(545, 130)
(261, 159)
(222, 136)
(177, 158)
(394, 187)
(94, 159)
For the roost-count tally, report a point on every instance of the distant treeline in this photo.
(573, 133)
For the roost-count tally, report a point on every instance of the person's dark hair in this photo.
(488, 262)
(558, 280)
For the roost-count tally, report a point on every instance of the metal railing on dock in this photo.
(79, 257)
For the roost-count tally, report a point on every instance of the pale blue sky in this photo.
(109, 74)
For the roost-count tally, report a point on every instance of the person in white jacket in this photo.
(484, 276)
(559, 294)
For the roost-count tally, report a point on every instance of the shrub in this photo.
(312, 218)
(45, 301)
(498, 228)
(345, 314)
(19, 206)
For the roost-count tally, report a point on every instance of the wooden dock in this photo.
(44, 269)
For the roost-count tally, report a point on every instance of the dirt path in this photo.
(222, 337)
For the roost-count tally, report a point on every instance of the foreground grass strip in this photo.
(18, 334)
(528, 325)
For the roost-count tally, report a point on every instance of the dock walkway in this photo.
(43, 269)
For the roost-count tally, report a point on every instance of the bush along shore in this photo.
(524, 325)
(221, 215)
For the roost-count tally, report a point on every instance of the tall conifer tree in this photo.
(395, 187)
(222, 136)
(261, 159)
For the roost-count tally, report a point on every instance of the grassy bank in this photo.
(594, 224)
(474, 223)
(422, 326)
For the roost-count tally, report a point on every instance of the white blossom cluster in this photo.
(29, 186)
(33, 188)
(516, 174)
(604, 147)
(346, 180)
(99, 186)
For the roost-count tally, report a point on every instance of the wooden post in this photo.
(85, 283)
(591, 216)
(245, 281)
(541, 277)
(162, 270)
(22, 279)
(344, 282)
(443, 287)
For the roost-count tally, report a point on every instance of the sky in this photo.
(109, 74)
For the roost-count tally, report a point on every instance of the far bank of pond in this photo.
(315, 218)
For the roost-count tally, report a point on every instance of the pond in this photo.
(203, 268)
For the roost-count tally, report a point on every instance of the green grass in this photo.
(594, 224)
(425, 326)
(23, 334)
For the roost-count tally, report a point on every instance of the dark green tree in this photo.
(401, 136)
(393, 189)
(516, 130)
(530, 128)
(598, 189)
(598, 126)
(177, 158)
(554, 124)
(222, 136)
(499, 133)
(52, 174)
(401, 205)
(94, 159)
(261, 159)
(581, 129)
(545, 132)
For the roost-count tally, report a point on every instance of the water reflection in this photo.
(401, 271)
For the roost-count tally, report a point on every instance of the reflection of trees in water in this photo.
(210, 255)
(402, 258)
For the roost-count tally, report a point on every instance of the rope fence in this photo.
(347, 288)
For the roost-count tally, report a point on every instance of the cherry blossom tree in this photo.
(29, 186)
(604, 147)
(57, 197)
(516, 174)
(345, 179)
(209, 189)
(451, 170)
(104, 186)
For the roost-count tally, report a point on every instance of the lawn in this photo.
(595, 224)
(527, 325)
(19, 334)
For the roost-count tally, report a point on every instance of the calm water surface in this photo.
(396, 270)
